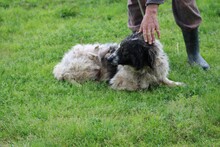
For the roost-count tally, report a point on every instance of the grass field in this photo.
(37, 110)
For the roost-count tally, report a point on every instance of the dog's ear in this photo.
(92, 56)
(146, 54)
(97, 47)
(150, 57)
(137, 61)
(135, 47)
(148, 51)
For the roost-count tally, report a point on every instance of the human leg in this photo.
(134, 14)
(188, 18)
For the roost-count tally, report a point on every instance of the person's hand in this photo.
(150, 24)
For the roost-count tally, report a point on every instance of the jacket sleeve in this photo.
(154, 2)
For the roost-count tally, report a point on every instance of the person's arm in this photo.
(150, 23)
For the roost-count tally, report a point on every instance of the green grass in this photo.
(38, 110)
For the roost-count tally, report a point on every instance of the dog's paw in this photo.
(180, 84)
(73, 82)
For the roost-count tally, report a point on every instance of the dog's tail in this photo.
(58, 72)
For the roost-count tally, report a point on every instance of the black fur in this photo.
(107, 66)
(134, 51)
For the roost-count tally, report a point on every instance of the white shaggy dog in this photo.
(86, 62)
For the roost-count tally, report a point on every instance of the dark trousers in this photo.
(185, 12)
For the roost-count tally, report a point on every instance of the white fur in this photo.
(82, 63)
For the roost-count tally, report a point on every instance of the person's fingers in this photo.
(152, 36)
(149, 35)
(158, 31)
(145, 35)
(140, 30)
(149, 38)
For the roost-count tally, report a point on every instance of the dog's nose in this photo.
(110, 58)
(113, 59)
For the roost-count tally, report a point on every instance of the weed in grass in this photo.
(69, 12)
(4, 4)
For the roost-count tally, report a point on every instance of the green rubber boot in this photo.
(192, 47)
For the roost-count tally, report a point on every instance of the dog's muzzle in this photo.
(113, 59)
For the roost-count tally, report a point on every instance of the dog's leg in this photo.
(121, 83)
(124, 79)
(75, 83)
(171, 83)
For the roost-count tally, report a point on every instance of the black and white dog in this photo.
(140, 64)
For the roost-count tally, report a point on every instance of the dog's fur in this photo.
(131, 66)
(141, 64)
(86, 62)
